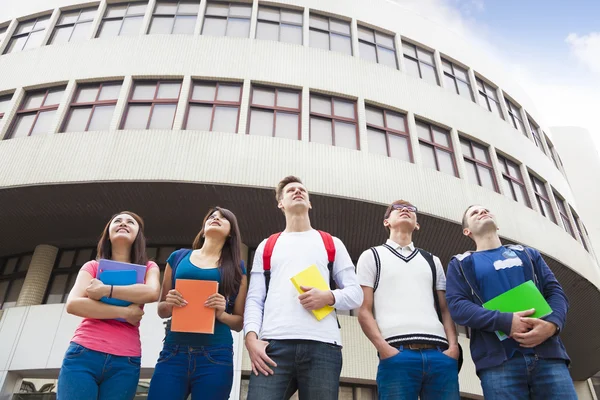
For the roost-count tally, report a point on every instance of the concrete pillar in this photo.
(10, 382)
(38, 275)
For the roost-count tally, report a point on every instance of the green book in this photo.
(520, 298)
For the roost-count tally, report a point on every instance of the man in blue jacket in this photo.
(532, 361)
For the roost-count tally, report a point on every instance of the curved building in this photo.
(168, 107)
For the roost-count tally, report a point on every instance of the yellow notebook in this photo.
(313, 278)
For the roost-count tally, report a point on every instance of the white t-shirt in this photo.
(403, 304)
(282, 316)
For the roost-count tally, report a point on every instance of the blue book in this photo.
(110, 265)
(117, 278)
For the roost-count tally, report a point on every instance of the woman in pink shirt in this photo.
(103, 359)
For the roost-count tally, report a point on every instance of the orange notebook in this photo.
(194, 317)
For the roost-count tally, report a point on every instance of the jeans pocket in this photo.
(220, 357)
(165, 355)
(447, 356)
(135, 361)
(74, 351)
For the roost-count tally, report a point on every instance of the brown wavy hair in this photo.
(231, 258)
(138, 248)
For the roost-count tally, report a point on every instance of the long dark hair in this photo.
(229, 263)
(138, 248)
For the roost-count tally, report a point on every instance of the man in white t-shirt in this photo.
(290, 350)
(405, 315)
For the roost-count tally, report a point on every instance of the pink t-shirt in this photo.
(109, 335)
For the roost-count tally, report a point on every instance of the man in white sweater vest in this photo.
(290, 350)
(405, 315)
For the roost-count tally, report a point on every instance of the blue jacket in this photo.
(465, 305)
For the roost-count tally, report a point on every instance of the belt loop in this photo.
(401, 347)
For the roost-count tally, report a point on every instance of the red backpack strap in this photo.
(330, 248)
(267, 253)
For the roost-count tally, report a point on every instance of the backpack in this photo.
(429, 258)
(180, 255)
(268, 252)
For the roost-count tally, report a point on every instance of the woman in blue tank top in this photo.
(197, 363)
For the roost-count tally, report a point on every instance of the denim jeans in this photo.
(411, 374)
(204, 371)
(528, 377)
(309, 367)
(91, 375)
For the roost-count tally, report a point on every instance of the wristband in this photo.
(111, 289)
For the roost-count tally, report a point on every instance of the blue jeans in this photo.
(309, 367)
(528, 377)
(204, 371)
(411, 374)
(91, 375)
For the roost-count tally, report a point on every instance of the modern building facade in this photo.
(166, 108)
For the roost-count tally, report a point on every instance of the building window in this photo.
(419, 63)
(535, 134)
(4, 103)
(514, 185)
(275, 112)
(333, 121)
(478, 164)
(36, 113)
(377, 47)
(3, 33)
(152, 105)
(514, 115)
(214, 107)
(174, 17)
(227, 19)
(279, 24)
(553, 154)
(123, 19)
(388, 133)
(28, 35)
(543, 200)
(330, 34)
(488, 98)
(92, 107)
(581, 231)
(436, 148)
(564, 216)
(73, 26)
(12, 275)
(67, 266)
(457, 79)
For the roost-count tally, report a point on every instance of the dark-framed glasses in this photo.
(401, 207)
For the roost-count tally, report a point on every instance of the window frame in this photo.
(13, 276)
(93, 104)
(71, 271)
(581, 231)
(478, 162)
(535, 135)
(28, 34)
(121, 18)
(431, 143)
(3, 30)
(504, 161)
(563, 213)
(541, 197)
(487, 87)
(333, 118)
(72, 24)
(8, 96)
(514, 115)
(275, 108)
(329, 32)
(377, 45)
(419, 61)
(455, 78)
(174, 16)
(266, 21)
(387, 131)
(37, 110)
(226, 18)
(152, 102)
(214, 103)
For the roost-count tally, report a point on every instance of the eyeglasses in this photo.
(404, 207)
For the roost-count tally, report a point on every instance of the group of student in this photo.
(407, 309)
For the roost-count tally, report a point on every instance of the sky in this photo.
(550, 47)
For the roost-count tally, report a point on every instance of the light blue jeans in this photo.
(91, 375)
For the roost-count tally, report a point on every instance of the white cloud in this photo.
(587, 49)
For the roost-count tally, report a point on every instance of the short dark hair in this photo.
(283, 183)
(390, 208)
(465, 224)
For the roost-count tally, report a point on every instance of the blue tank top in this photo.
(222, 334)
